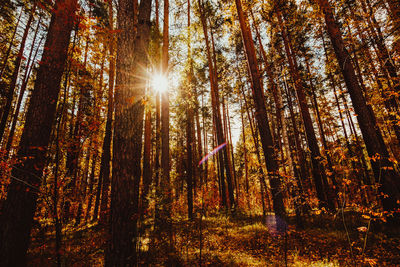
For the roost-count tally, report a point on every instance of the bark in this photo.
(19, 207)
(261, 114)
(128, 131)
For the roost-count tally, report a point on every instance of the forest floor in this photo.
(237, 241)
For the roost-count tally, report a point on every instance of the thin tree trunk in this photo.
(189, 127)
(246, 168)
(147, 174)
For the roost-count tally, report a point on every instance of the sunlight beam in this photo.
(160, 83)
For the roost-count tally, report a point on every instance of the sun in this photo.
(159, 83)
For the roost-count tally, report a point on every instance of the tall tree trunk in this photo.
(221, 134)
(332, 174)
(19, 207)
(147, 174)
(215, 103)
(277, 94)
(318, 172)
(103, 187)
(261, 114)
(128, 131)
(7, 54)
(232, 156)
(189, 126)
(25, 79)
(246, 168)
(166, 197)
(382, 167)
(14, 77)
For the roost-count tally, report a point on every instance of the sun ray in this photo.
(159, 83)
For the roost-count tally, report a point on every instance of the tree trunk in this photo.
(189, 127)
(14, 77)
(103, 187)
(7, 55)
(19, 207)
(147, 174)
(261, 114)
(382, 167)
(221, 134)
(25, 79)
(215, 104)
(128, 131)
(318, 173)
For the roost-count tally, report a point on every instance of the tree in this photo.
(261, 113)
(128, 130)
(14, 77)
(18, 209)
(376, 147)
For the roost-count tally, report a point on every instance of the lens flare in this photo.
(218, 148)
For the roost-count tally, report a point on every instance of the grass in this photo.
(233, 241)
